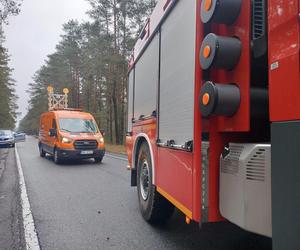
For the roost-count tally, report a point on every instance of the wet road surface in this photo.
(84, 205)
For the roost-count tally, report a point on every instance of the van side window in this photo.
(53, 123)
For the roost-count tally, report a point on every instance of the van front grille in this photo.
(86, 144)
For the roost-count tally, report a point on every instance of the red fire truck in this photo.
(213, 99)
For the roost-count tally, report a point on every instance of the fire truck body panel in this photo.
(199, 197)
(174, 179)
(285, 185)
(177, 72)
(145, 89)
(240, 76)
(176, 99)
(284, 91)
(251, 81)
(145, 131)
(174, 52)
(284, 60)
(160, 12)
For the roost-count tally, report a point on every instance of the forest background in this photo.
(8, 97)
(91, 60)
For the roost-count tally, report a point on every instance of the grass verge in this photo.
(118, 149)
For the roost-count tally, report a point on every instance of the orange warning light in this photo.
(207, 5)
(206, 51)
(187, 220)
(205, 99)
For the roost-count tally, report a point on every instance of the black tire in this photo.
(56, 158)
(98, 159)
(42, 152)
(154, 207)
(13, 145)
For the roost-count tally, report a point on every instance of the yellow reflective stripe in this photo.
(181, 207)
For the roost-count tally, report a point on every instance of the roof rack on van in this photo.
(68, 109)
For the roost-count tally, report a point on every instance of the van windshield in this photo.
(75, 125)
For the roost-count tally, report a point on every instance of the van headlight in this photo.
(66, 140)
(101, 140)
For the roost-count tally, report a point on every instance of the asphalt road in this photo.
(83, 205)
(11, 227)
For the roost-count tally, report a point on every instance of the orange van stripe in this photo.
(181, 207)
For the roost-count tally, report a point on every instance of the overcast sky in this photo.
(33, 35)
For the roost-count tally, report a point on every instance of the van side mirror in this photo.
(102, 132)
(52, 132)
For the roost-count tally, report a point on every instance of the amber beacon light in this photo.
(220, 11)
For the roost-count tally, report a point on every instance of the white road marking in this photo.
(31, 239)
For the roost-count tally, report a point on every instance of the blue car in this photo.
(19, 136)
(7, 138)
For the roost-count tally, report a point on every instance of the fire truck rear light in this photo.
(220, 11)
(224, 52)
(224, 99)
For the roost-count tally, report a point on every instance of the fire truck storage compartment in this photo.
(130, 100)
(176, 103)
(245, 186)
(146, 81)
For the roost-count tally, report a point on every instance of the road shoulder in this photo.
(11, 227)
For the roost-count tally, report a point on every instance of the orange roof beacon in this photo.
(69, 134)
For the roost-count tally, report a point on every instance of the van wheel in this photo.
(42, 152)
(56, 157)
(98, 159)
(153, 206)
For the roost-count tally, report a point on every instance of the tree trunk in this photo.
(110, 122)
(115, 110)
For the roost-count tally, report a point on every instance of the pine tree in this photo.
(8, 98)
(9, 8)
(91, 60)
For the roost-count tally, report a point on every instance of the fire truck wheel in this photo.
(154, 207)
